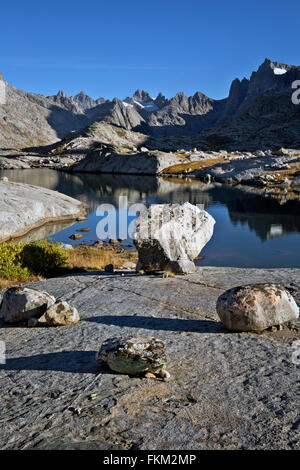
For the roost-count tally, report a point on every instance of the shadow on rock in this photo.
(64, 361)
(166, 324)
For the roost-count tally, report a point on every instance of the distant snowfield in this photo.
(127, 104)
(146, 105)
(278, 71)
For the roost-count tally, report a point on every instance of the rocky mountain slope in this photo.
(28, 119)
(258, 113)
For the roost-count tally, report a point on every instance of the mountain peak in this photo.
(141, 95)
(61, 94)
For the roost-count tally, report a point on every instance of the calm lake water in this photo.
(251, 230)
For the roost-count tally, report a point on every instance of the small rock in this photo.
(182, 266)
(61, 314)
(134, 355)
(256, 307)
(66, 246)
(32, 322)
(76, 236)
(109, 268)
(84, 229)
(281, 152)
(259, 153)
(129, 265)
(22, 303)
(149, 375)
(99, 244)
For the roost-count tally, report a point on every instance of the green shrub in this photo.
(11, 262)
(43, 258)
(18, 261)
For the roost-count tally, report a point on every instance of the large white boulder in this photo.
(171, 232)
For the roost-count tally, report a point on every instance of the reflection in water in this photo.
(45, 231)
(251, 230)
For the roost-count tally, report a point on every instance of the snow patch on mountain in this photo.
(278, 71)
(146, 105)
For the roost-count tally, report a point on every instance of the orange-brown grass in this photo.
(177, 169)
(6, 284)
(83, 258)
(279, 174)
(180, 180)
(89, 257)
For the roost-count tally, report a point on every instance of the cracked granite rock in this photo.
(61, 314)
(134, 356)
(23, 303)
(24, 207)
(256, 307)
(228, 390)
(171, 232)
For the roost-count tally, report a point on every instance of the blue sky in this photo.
(112, 48)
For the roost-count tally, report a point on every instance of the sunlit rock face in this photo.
(256, 307)
(171, 232)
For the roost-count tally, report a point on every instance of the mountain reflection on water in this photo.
(252, 229)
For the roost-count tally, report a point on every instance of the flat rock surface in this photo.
(246, 170)
(227, 390)
(145, 163)
(24, 207)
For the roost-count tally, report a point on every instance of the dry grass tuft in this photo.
(89, 257)
(83, 258)
(170, 273)
(6, 284)
(280, 174)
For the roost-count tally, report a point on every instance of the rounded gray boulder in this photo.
(256, 307)
(134, 356)
(22, 303)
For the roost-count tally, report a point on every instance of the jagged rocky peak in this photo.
(1, 77)
(61, 94)
(179, 98)
(84, 101)
(272, 75)
(117, 101)
(101, 101)
(161, 100)
(276, 68)
(238, 89)
(141, 95)
(142, 102)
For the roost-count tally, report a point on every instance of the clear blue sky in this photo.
(111, 48)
